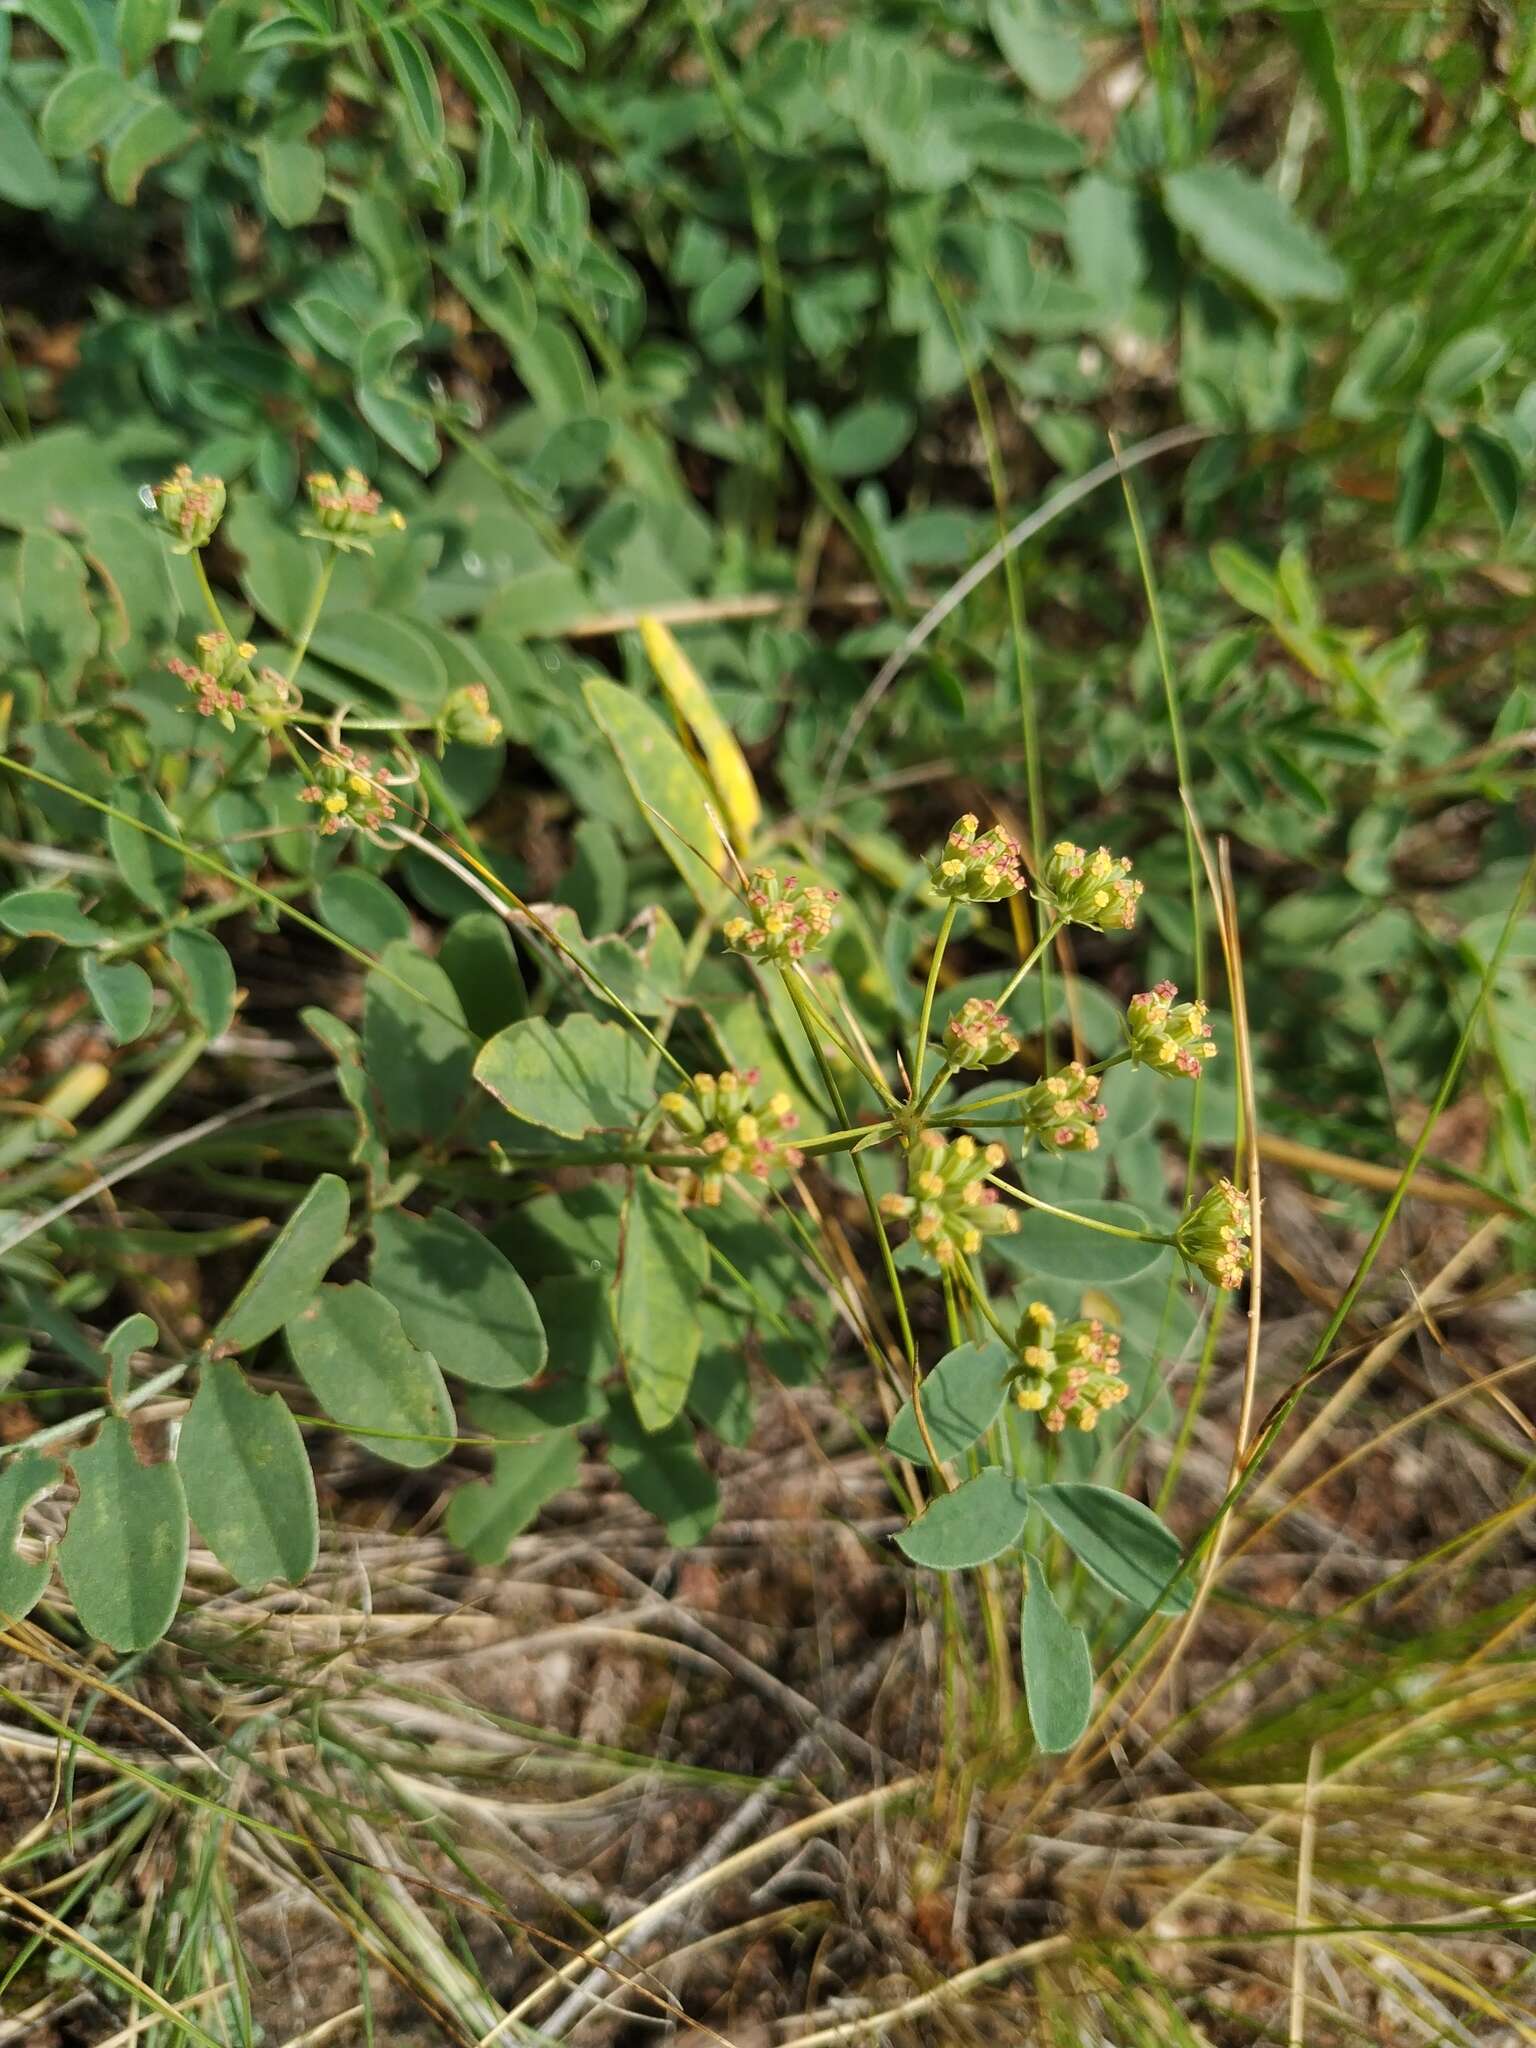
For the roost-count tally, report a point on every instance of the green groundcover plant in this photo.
(631, 1300)
(686, 312)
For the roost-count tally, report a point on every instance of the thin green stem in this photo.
(1071, 1215)
(311, 618)
(920, 1050)
(208, 597)
(1025, 964)
(882, 1236)
(212, 866)
(1013, 584)
(839, 1038)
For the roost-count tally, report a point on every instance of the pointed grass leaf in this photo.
(209, 975)
(124, 1554)
(22, 1480)
(1121, 1542)
(290, 1269)
(663, 1264)
(571, 1078)
(247, 1479)
(123, 994)
(484, 1516)
(354, 1356)
(1058, 1671)
(458, 1297)
(971, 1525)
(961, 1398)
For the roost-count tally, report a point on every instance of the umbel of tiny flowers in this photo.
(190, 508)
(977, 1035)
(219, 678)
(1094, 889)
(349, 513)
(349, 791)
(977, 867)
(786, 918)
(1213, 1237)
(1063, 1110)
(467, 717)
(1173, 1037)
(1066, 1372)
(732, 1133)
(948, 1204)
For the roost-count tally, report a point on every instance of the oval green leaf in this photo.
(961, 1398)
(363, 909)
(123, 994)
(153, 870)
(291, 1268)
(247, 1480)
(124, 1554)
(210, 978)
(663, 1264)
(1058, 1671)
(458, 1297)
(22, 1480)
(50, 914)
(368, 1376)
(1059, 1249)
(416, 1046)
(483, 1518)
(1121, 1542)
(573, 1078)
(670, 791)
(970, 1526)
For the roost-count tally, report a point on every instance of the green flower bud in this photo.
(190, 508)
(972, 869)
(1213, 1237)
(1088, 888)
(786, 919)
(733, 1134)
(977, 1035)
(1065, 1371)
(948, 1204)
(467, 717)
(1063, 1111)
(1173, 1037)
(348, 514)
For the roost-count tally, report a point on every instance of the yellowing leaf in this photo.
(664, 782)
(695, 711)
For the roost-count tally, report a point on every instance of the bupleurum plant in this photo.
(593, 1079)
